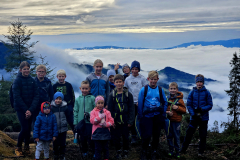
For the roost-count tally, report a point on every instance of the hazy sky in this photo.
(134, 23)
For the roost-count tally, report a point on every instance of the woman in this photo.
(25, 95)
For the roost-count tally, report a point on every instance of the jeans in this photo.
(101, 145)
(174, 135)
(203, 125)
(25, 132)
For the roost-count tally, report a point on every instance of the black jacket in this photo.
(25, 93)
(128, 113)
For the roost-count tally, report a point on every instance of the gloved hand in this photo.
(102, 115)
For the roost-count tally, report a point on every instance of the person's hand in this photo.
(129, 125)
(28, 114)
(54, 138)
(103, 124)
(114, 126)
(106, 107)
(102, 115)
(36, 139)
(116, 66)
(170, 113)
(137, 104)
(175, 107)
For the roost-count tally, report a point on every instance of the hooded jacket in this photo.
(99, 132)
(45, 127)
(25, 93)
(99, 86)
(200, 98)
(128, 112)
(62, 115)
(88, 102)
(177, 114)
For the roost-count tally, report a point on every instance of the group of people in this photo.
(114, 108)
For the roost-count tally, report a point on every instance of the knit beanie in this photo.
(111, 72)
(125, 65)
(135, 64)
(199, 79)
(42, 105)
(58, 94)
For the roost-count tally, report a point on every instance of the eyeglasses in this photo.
(46, 106)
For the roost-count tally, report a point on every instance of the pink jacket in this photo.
(99, 132)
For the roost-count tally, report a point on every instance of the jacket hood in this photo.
(53, 104)
(202, 89)
(179, 95)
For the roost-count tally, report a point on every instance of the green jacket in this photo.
(88, 101)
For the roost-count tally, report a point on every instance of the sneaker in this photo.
(125, 154)
(18, 152)
(26, 150)
(170, 154)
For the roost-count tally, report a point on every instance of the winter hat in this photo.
(199, 79)
(111, 72)
(125, 65)
(45, 104)
(98, 98)
(58, 94)
(135, 64)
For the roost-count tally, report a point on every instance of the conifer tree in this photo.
(234, 91)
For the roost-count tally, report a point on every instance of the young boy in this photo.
(63, 115)
(125, 69)
(199, 104)
(45, 88)
(152, 105)
(83, 105)
(134, 83)
(176, 108)
(110, 74)
(120, 104)
(66, 89)
(45, 130)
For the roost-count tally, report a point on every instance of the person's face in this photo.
(61, 78)
(126, 70)
(25, 71)
(98, 68)
(135, 71)
(153, 81)
(111, 78)
(119, 83)
(173, 90)
(85, 89)
(46, 111)
(58, 100)
(41, 73)
(199, 85)
(100, 104)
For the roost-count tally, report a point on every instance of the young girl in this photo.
(25, 95)
(98, 81)
(102, 121)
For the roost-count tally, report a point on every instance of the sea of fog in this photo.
(211, 61)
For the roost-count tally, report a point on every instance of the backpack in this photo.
(114, 95)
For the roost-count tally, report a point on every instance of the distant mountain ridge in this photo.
(108, 47)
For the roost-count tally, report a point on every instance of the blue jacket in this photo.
(45, 90)
(152, 99)
(99, 86)
(45, 127)
(200, 99)
(112, 86)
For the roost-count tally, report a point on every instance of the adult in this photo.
(26, 97)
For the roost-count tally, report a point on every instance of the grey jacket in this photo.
(63, 116)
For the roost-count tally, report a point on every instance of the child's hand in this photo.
(175, 107)
(170, 113)
(114, 126)
(116, 66)
(36, 139)
(54, 138)
(129, 125)
(102, 115)
(103, 124)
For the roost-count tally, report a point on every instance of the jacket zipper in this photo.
(98, 86)
(59, 118)
(47, 126)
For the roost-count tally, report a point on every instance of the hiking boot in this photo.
(18, 152)
(125, 154)
(143, 155)
(26, 150)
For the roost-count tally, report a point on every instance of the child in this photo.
(98, 81)
(120, 104)
(63, 115)
(45, 130)
(67, 90)
(45, 88)
(199, 103)
(25, 102)
(152, 105)
(176, 108)
(134, 83)
(125, 69)
(102, 121)
(83, 105)
(110, 74)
